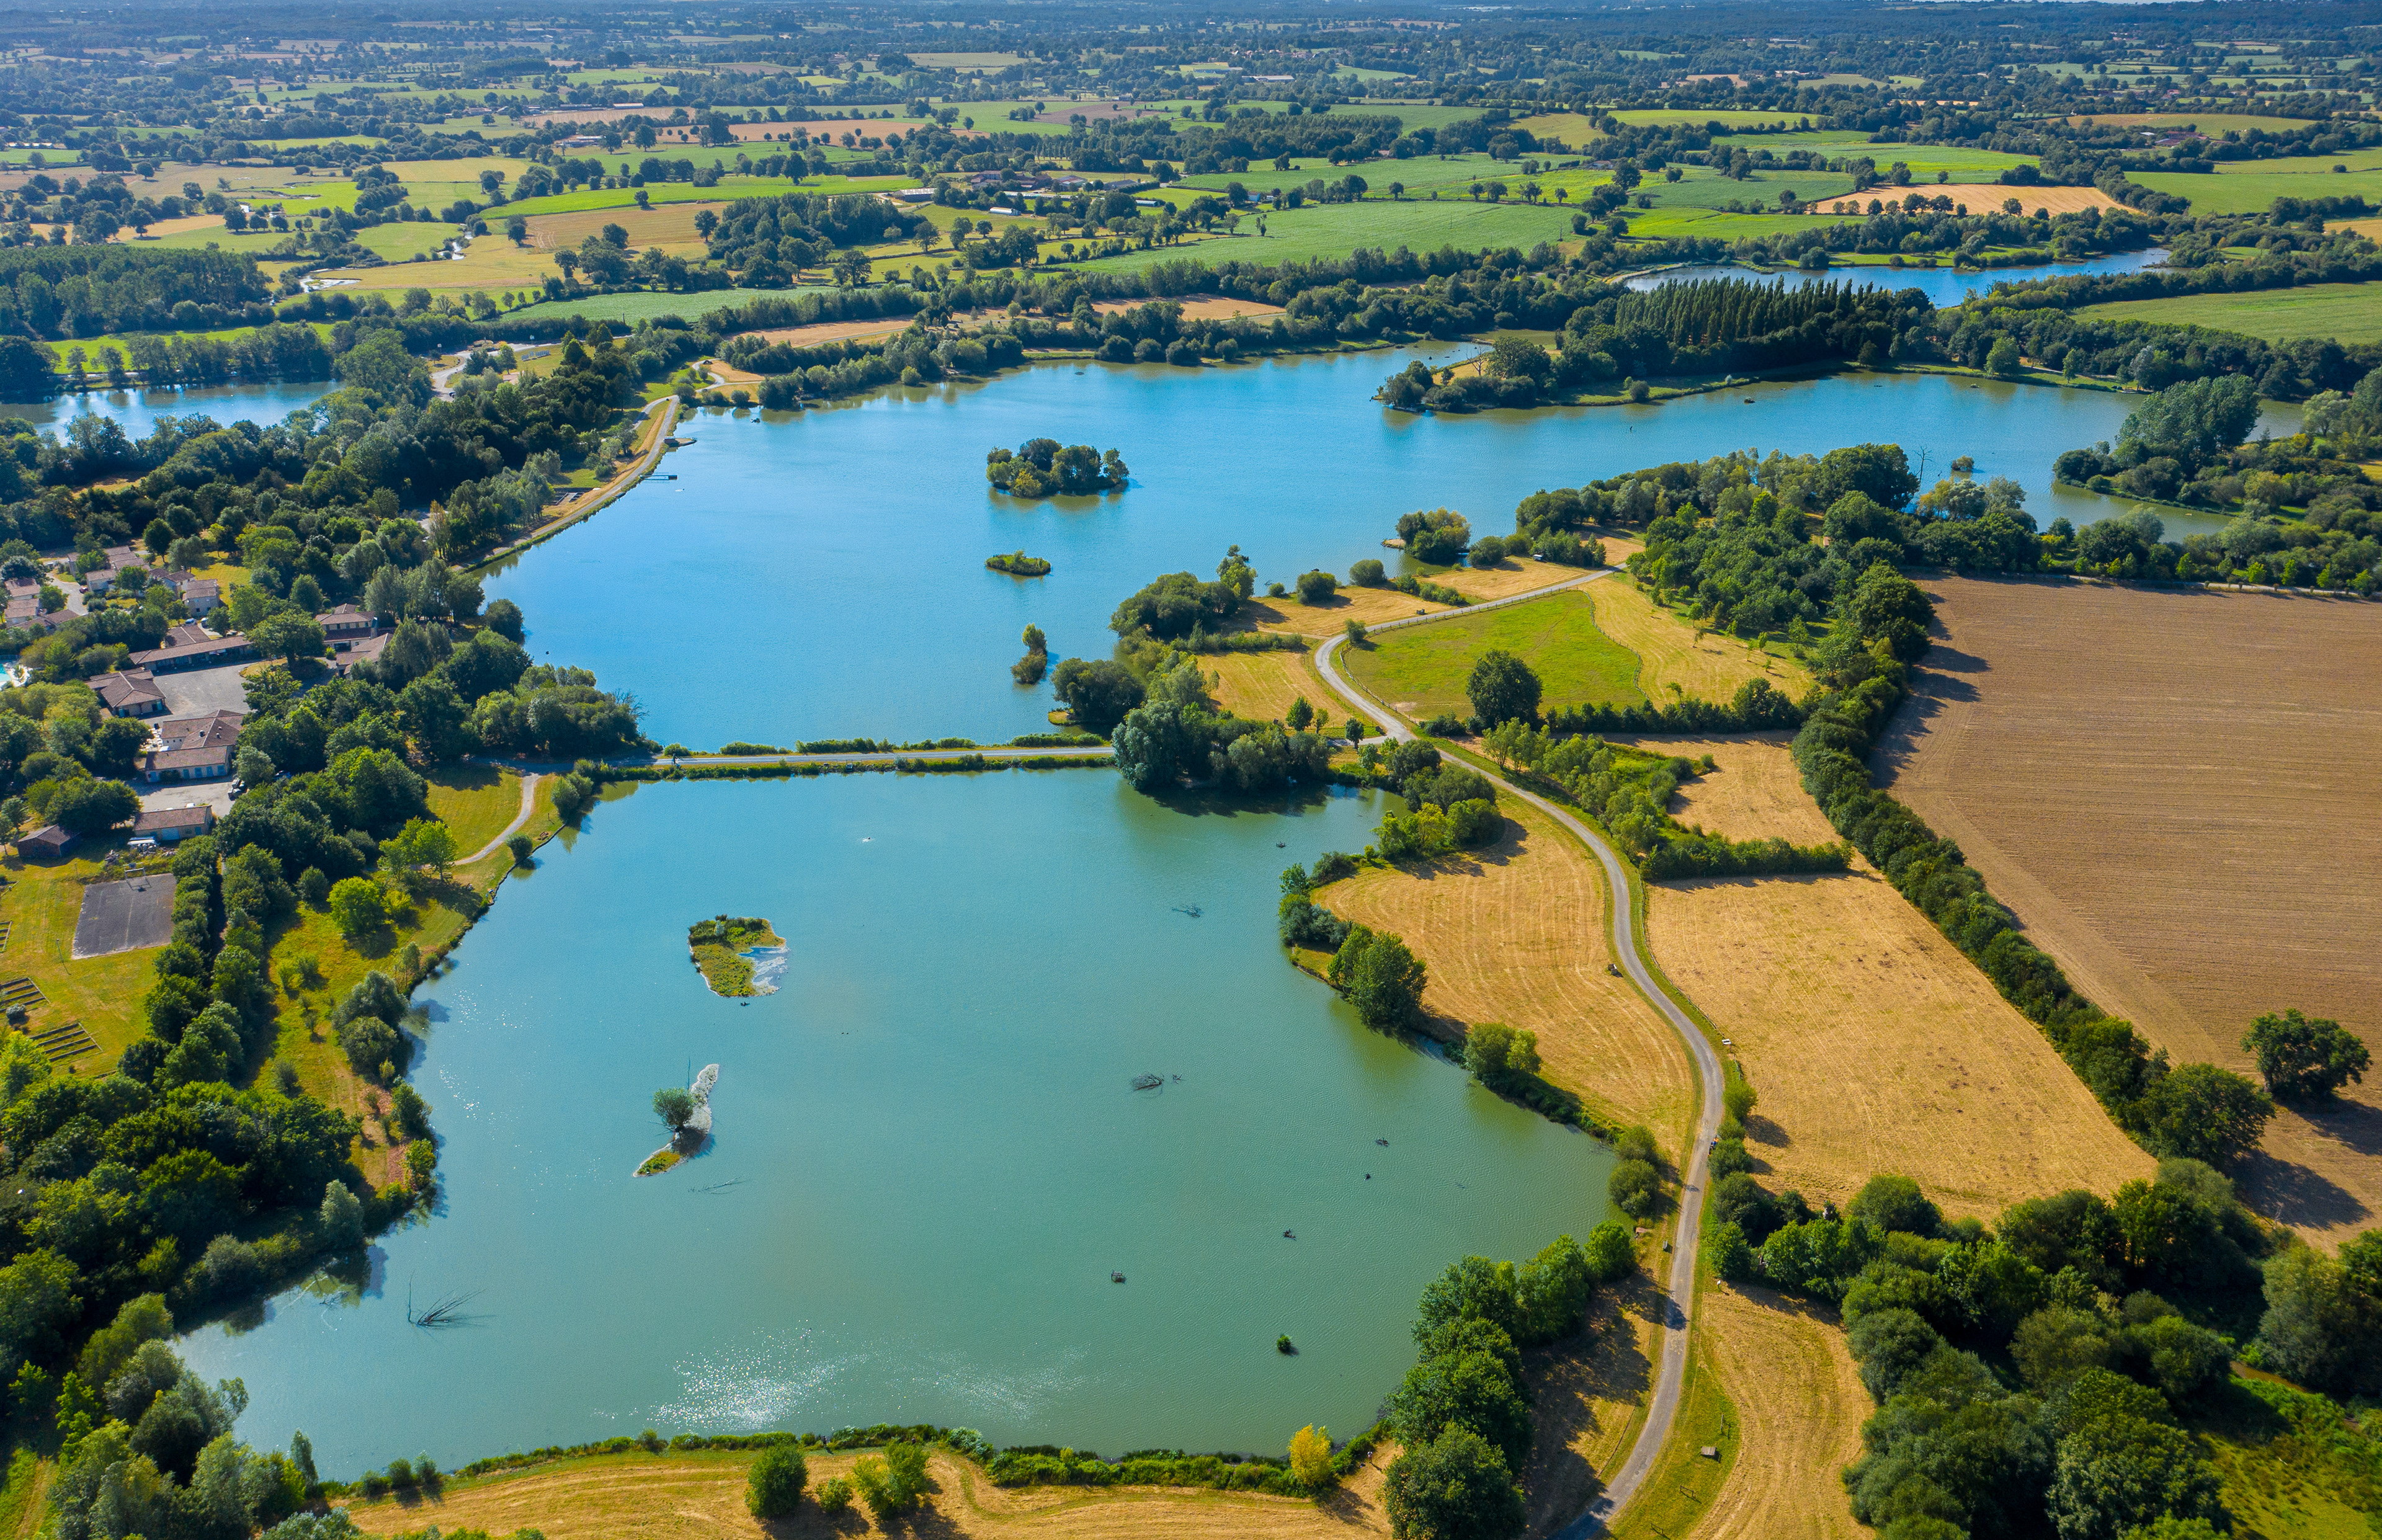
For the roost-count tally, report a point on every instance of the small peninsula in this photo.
(738, 955)
(1043, 467)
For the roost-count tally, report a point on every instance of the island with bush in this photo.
(1017, 564)
(1045, 468)
(725, 948)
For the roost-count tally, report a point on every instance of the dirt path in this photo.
(529, 805)
(663, 413)
(1680, 1291)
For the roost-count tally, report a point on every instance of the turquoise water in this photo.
(1945, 287)
(139, 409)
(929, 1156)
(820, 575)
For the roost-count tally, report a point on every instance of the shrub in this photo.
(1636, 1143)
(1636, 1188)
(774, 1489)
(834, 1495)
(520, 847)
(1317, 586)
(1893, 1202)
(1367, 573)
(1728, 1159)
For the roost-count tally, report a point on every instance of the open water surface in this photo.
(139, 409)
(820, 574)
(929, 1156)
(1945, 287)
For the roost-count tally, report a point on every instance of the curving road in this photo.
(1680, 1289)
(529, 804)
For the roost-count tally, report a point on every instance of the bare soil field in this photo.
(1670, 654)
(2174, 792)
(1875, 1044)
(700, 1496)
(1801, 1403)
(1514, 933)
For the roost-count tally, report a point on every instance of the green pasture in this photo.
(2345, 313)
(122, 341)
(1337, 229)
(1686, 222)
(642, 306)
(687, 193)
(2255, 192)
(2206, 122)
(1428, 665)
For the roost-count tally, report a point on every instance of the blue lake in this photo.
(820, 574)
(1945, 287)
(139, 409)
(929, 1155)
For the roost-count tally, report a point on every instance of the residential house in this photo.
(170, 825)
(185, 764)
(216, 730)
(202, 596)
(347, 623)
(23, 613)
(99, 580)
(209, 653)
(131, 692)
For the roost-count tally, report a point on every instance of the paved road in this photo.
(1680, 1289)
(529, 804)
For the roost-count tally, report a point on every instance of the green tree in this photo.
(773, 1489)
(2002, 358)
(1455, 1489)
(1315, 587)
(87, 806)
(674, 1105)
(358, 907)
(1635, 1187)
(1887, 607)
(2304, 1057)
(2117, 1473)
(1502, 688)
(1377, 975)
(2323, 1324)
(1893, 1202)
(1474, 1390)
(1098, 693)
(2205, 1113)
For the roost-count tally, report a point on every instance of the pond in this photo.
(820, 575)
(930, 1154)
(1944, 286)
(139, 409)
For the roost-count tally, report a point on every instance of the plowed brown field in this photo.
(2174, 792)
(1515, 933)
(1875, 1044)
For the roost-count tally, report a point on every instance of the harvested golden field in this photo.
(700, 1496)
(1204, 306)
(2174, 792)
(1670, 654)
(1262, 685)
(1799, 1403)
(1515, 933)
(1875, 1045)
(1373, 606)
(1590, 1402)
(1984, 197)
(666, 224)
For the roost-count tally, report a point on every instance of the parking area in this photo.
(214, 794)
(125, 916)
(200, 690)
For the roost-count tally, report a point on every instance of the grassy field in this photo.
(1261, 685)
(2169, 791)
(1421, 671)
(2346, 313)
(2253, 189)
(638, 306)
(1800, 1402)
(1337, 229)
(2206, 122)
(701, 1496)
(41, 904)
(1875, 1044)
(1515, 933)
(1683, 1484)
(1673, 660)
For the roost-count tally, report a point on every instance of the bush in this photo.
(1893, 1202)
(1636, 1188)
(834, 1495)
(521, 846)
(774, 1489)
(1636, 1143)
(1315, 587)
(1367, 573)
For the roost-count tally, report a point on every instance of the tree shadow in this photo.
(1209, 800)
(2353, 1124)
(2294, 1194)
(1603, 1364)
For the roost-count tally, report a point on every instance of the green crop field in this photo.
(2230, 191)
(122, 341)
(2345, 313)
(633, 308)
(1449, 175)
(1337, 229)
(1422, 669)
(687, 193)
(2206, 122)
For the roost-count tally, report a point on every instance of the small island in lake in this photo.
(687, 1114)
(738, 954)
(1017, 564)
(1043, 466)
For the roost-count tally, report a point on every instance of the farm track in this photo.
(1679, 1290)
